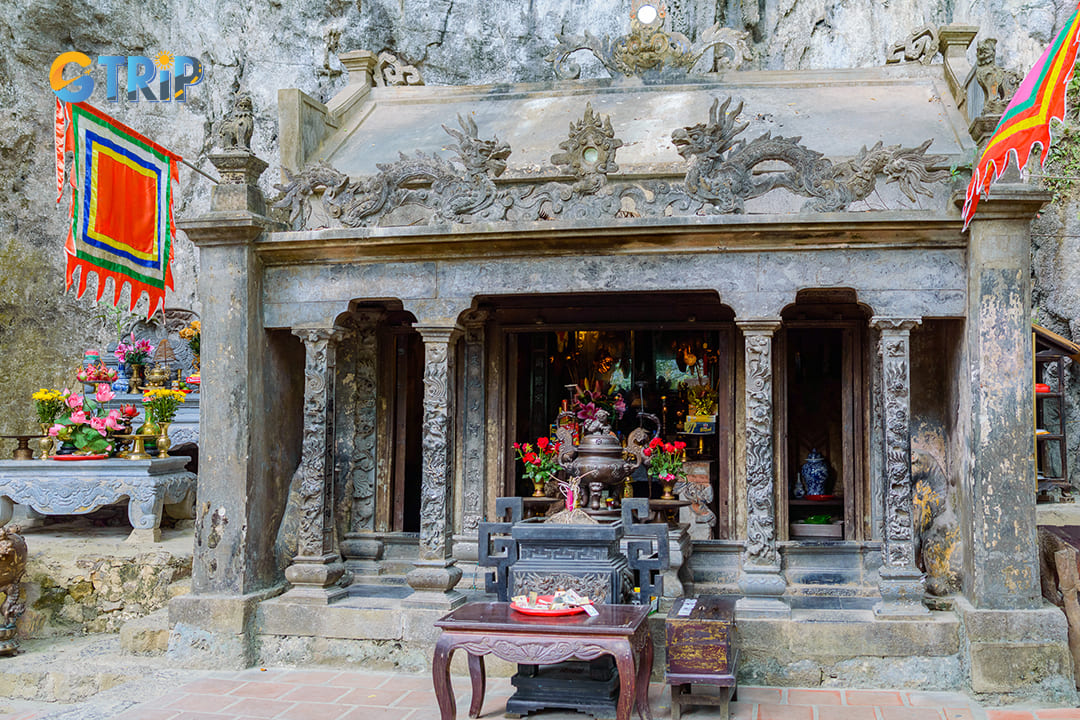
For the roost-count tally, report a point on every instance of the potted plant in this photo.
(134, 355)
(48, 404)
(665, 461)
(161, 405)
(83, 424)
(541, 462)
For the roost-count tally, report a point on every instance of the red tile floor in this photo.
(257, 694)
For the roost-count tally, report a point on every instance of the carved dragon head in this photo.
(712, 140)
(480, 157)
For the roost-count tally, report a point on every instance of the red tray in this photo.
(820, 498)
(79, 457)
(548, 613)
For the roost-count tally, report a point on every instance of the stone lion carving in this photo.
(235, 130)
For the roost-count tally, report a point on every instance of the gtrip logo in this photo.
(168, 75)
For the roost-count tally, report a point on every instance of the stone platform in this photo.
(83, 577)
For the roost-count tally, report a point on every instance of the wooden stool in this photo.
(699, 652)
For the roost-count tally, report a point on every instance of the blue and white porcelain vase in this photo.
(814, 473)
(121, 384)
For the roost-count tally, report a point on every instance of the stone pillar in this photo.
(474, 460)
(435, 574)
(1002, 565)
(317, 566)
(760, 580)
(900, 582)
(239, 495)
(360, 547)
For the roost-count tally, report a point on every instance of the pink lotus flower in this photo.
(74, 402)
(112, 420)
(104, 393)
(78, 417)
(98, 424)
(55, 429)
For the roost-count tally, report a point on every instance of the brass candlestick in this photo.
(138, 452)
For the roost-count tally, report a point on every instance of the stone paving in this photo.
(284, 694)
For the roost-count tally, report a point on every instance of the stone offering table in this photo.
(54, 487)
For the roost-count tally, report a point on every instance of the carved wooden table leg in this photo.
(645, 663)
(440, 675)
(624, 661)
(479, 684)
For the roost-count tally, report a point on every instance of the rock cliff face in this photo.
(259, 47)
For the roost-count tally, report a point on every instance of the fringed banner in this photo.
(121, 209)
(1026, 121)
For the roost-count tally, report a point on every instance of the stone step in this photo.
(76, 669)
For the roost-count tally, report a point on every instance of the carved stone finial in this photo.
(589, 151)
(920, 46)
(649, 49)
(390, 70)
(998, 83)
(235, 129)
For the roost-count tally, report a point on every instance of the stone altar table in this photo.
(52, 487)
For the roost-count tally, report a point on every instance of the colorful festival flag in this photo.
(1026, 121)
(121, 206)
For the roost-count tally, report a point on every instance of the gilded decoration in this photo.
(649, 48)
(723, 172)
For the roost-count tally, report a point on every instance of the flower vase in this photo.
(163, 441)
(667, 484)
(122, 381)
(538, 487)
(47, 441)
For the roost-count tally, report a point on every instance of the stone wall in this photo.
(81, 579)
(258, 48)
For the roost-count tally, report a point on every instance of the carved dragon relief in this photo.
(723, 172)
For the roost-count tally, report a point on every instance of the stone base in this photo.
(1018, 653)
(362, 553)
(762, 588)
(901, 595)
(466, 548)
(214, 631)
(433, 583)
(314, 578)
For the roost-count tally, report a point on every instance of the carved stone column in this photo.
(761, 580)
(901, 583)
(435, 574)
(360, 547)
(317, 565)
(474, 460)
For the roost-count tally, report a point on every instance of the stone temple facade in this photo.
(385, 332)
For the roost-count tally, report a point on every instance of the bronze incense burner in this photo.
(599, 458)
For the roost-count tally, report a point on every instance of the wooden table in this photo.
(482, 628)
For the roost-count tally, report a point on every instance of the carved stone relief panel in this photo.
(364, 424)
(760, 470)
(315, 534)
(894, 354)
(472, 506)
(437, 455)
